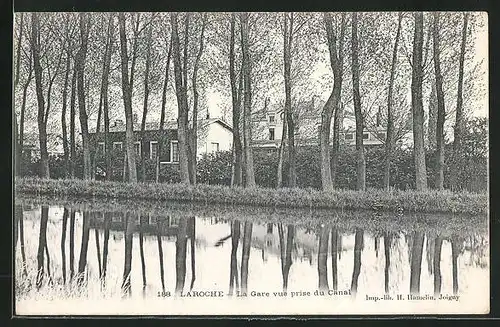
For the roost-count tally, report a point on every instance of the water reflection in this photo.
(236, 257)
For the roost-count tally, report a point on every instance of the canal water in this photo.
(98, 257)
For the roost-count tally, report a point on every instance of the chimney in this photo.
(208, 114)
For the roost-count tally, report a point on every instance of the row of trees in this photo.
(77, 58)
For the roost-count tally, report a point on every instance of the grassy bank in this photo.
(405, 201)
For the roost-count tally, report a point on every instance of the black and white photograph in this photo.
(250, 163)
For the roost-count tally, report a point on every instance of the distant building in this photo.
(214, 135)
(267, 126)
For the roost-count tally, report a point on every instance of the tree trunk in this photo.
(233, 270)
(335, 250)
(454, 262)
(129, 238)
(287, 60)
(440, 106)
(63, 114)
(141, 252)
(387, 254)
(236, 86)
(72, 132)
(358, 248)
(323, 258)
(180, 256)
(431, 125)
(80, 66)
(360, 150)
(330, 105)
(21, 118)
(42, 126)
(193, 144)
(63, 242)
(389, 140)
(437, 265)
(72, 219)
(105, 103)
(417, 106)
(285, 251)
(18, 139)
(105, 246)
(82, 261)
(247, 101)
(338, 114)
(160, 254)
(149, 40)
(127, 101)
(416, 262)
(182, 104)
(42, 243)
(458, 130)
(281, 154)
(162, 114)
(245, 255)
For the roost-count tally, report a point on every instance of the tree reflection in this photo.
(98, 249)
(63, 242)
(42, 242)
(107, 220)
(358, 247)
(141, 250)
(416, 262)
(245, 256)
(127, 267)
(454, 260)
(387, 254)
(233, 270)
(160, 253)
(192, 223)
(82, 262)
(438, 242)
(285, 251)
(180, 255)
(20, 220)
(72, 219)
(322, 258)
(335, 251)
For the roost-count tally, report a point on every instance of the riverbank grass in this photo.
(381, 200)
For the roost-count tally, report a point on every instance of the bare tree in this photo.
(84, 23)
(389, 141)
(288, 19)
(247, 101)
(360, 158)
(182, 103)
(440, 105)
(330, 105)
(459, 119)
(236, 90)
(417, 106)
(193, 135)
(127, 100)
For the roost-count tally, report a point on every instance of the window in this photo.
(215, 147)
(101, 147)
(137, 148)
(381, 135)
(271, 119)
(271, 134)
(117, 146)
(366, 136)
(349, 136)
(153, 149)
(174, 151)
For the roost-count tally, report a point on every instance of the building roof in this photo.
(119, 125)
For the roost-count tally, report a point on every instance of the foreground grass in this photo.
(395, 200)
